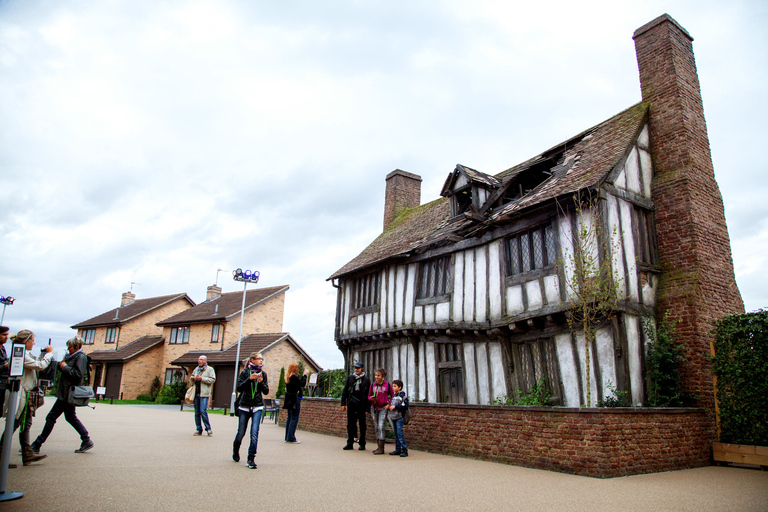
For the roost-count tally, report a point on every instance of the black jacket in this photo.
(72, 374)
(356, 398)
(293, 390)
(251, 390)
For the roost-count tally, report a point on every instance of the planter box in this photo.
(740, 453)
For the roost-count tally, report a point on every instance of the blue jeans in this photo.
(255, 418)
(397, 426)
(201, 411)
(292, 422)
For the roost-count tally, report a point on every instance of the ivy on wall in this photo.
(740, 364)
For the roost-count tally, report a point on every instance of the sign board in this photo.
(17, 359)
(313, 379)
(101, 390)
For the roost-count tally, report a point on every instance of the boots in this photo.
(380, 449)
(28, 456)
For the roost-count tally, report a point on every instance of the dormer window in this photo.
(469, 190)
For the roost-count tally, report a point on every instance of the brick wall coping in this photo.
(531, 408)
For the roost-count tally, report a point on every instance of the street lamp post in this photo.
(6, 301)
(244, 277)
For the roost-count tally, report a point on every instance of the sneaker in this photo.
(294, 442)
(251, 464)
(404, 453)
(209, 432)
(85, 446)
(198, 433)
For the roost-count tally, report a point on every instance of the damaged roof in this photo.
(224, 307)
(581, 162)
(131, 311)
(261, 342)
(127, 352)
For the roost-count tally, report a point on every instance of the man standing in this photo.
(202, 378)
(354, 400)
(4, 368)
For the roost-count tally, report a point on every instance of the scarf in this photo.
(357, 380)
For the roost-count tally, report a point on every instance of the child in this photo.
(397, 407)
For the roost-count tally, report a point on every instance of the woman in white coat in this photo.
(24, 413)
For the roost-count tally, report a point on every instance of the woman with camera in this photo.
(251, 384)
(27, 402)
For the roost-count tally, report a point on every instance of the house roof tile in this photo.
(124, 314)
(126, 352)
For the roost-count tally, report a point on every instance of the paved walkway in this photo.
(147, 459)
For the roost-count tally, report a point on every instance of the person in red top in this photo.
(379, 394)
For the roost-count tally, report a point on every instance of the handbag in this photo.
(189, 396)
(80, 395)
(35, 398)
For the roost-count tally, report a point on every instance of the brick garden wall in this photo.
(600, 443)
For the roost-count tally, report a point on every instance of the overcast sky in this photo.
(156, 142)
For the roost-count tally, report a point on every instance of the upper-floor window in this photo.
(88, 335)
(179, 335)
(365, 291)
(215, 332)
(645, 239)
(531, 250)
(435, 277)
(112, 334)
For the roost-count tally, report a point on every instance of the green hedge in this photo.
(741, 366)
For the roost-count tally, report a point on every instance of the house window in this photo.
(531, 250)
(435, 277)
(645, 239)
(88, 335)
(173, 375)
(450, 377)
(112, 334)
(179, 335)
(215, 330)
(537, 362)
(365, 291)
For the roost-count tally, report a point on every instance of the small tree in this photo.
(154, 388)
(281, 385)
(592, 285)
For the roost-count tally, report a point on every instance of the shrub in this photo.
(740, 364)
(172, 393)
(154, 388)
(281, 384)
(617, 398)
(539, 395)
(145, 397)
(665, 356)
(330, 383)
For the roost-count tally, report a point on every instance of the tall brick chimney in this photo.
(698, 283)
(127, 298)
(212, 292)
(403, 191)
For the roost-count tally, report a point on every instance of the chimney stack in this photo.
(697, 281)
(128, 297)
(403, 191)
(212, 292)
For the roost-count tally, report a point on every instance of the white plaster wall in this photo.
(481, 285)
(642, 140)
(458, 287)
(649, 289)
(606, 357)
(394, 372)
(628, 241)
(617, 260)
(391, 297)
(431, 369)
(621, 179)
(410, 292)
(634, 357)
(586, 221)
(483, 375)
(418, 315)
(583, 376)
(569, 374)
(412, 384)
(470, 373)
(469, 285)
(429, 313)
(566, 248)
(515, 300)
(552, 289)
(443, 312)
(421, 392)
(632, 169)
(533, 293)
(494, 279)
(498, 373)
(647, 170)
(399, 287)
(345, 317)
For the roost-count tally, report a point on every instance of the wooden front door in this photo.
(222, 389)
(114, 375)
(451, 386)
(97, 377)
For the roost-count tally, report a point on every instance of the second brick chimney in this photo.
(127, 298)
(212, 292)
(403, 191)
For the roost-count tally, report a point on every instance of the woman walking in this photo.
(25, 411)
(292, 403)
(251, 384)
(379, 395)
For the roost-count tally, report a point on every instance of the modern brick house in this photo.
(464, 300)
(125, 343)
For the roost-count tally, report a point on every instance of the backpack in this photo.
(407, 416)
